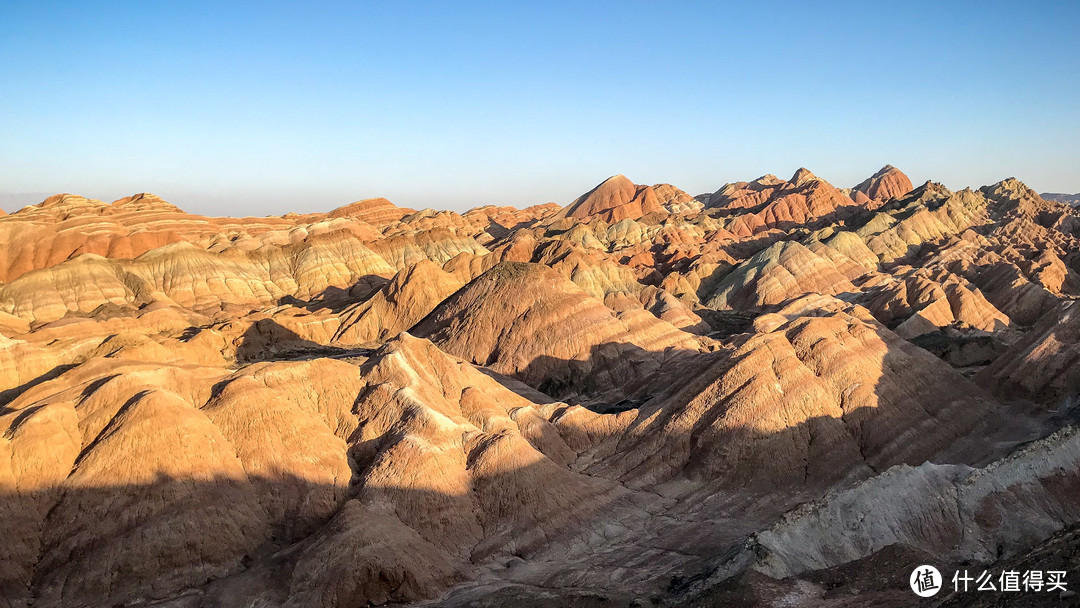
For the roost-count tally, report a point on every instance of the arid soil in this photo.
(780, 393)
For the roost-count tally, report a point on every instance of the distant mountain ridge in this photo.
(1068, 199)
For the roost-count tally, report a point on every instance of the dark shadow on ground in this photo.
(11, 393)
(267, 340)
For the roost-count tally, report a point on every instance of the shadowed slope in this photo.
(406, 299)
(528, 321)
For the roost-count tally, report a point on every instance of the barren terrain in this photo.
(780, 393)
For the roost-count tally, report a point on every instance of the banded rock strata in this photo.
(642, 397)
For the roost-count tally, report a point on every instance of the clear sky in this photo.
(261, 108)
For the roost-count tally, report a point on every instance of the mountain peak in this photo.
(618, 178)
(616, 198)
(144, 201)
(803, 176)
(889, 182)
(375, 211)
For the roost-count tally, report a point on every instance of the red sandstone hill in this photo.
(886, 184)
(617, 198)
(374, 211)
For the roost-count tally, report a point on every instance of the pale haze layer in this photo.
(263, 108)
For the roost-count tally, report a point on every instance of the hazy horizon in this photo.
(280, 204)
(264, 108)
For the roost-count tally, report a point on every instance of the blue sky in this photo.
(261, 108)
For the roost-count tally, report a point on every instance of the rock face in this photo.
(642, 398)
